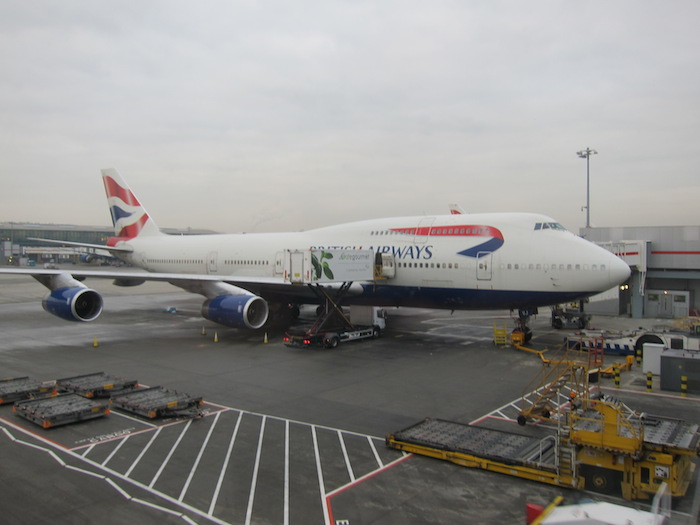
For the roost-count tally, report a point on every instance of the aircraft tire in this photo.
(600, 480)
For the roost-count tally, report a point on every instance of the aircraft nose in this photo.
(619, 271)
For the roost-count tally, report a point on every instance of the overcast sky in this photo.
(287, 115)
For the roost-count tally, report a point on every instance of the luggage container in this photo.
(60, 410)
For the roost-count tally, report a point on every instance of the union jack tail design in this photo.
(129, 217)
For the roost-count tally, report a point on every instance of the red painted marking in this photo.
(329, 507)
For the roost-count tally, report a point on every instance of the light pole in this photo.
(586, 154)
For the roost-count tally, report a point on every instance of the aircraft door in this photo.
(423, 230)
(484, 262)
(211, 262)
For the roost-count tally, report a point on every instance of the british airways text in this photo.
(399, 252)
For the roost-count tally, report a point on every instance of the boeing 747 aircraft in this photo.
(458, 262)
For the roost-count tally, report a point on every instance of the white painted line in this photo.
(118, 488)
(116, 449)
(319, 473)
(369, 475)
(83, 471)
(188, 519)
(113, 473)
(286, 473)
(9, 434)
(170, 454)
(345, 455)
(199, 457)
(143, 452)
(157, 507)
(254, 481)
(87, 450)
(125, 416)
(374, 451)
(224, 466)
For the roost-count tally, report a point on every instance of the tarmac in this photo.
(287, 436)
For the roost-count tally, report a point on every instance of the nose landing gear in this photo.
(522, 324)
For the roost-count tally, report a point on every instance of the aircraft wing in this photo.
(84, 245)
(270, 288)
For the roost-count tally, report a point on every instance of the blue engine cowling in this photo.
(236, 311)
(76, 303)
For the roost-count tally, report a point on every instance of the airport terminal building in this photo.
(19, 247)
(665, 262)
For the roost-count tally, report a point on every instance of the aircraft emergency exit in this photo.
(458, 261)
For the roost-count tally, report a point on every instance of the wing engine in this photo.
(227, 304)
(70, 299)
(236, 311)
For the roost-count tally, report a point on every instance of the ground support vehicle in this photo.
(332, 326)
(598, 444)
(60, 410)
(19, 388)
(535, 458)
(96, 385)
(158, 402)
(572, 314)
(330, 338)
(629, 342)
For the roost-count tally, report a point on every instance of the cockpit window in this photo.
(549, 226)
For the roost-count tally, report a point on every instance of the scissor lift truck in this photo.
(98, 384)
(332, 326)
(60, 410)
(606, 447)
(158, 402)
(19, 388)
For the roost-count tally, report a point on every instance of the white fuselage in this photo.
(504, 260)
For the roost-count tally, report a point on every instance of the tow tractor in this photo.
(570, 314)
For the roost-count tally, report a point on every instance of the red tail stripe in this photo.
(115, 190)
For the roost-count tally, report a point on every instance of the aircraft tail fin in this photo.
(129, 217)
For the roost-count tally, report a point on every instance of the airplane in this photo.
(515, 261)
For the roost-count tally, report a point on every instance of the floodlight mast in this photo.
(586, 154)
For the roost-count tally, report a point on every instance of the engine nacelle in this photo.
(236, 311)
(75, 303)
